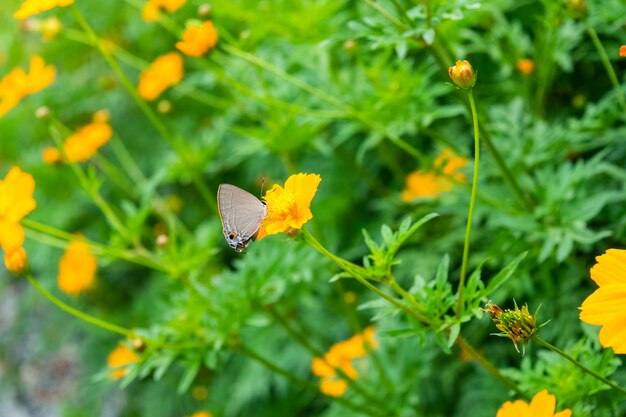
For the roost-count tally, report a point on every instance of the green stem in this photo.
(607, 66)
(387, 14)
(77, 313)
(470, 216)
(579, 365)
(160, 127)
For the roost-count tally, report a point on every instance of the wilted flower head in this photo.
(18, 84)
(517, 324)
(542, 405)
(340, 357)
(289, 207)
(77, 268)
(165, 71)
(198, 39)
(463, 74)
(16, 201)
(118, 359)
(605, 307)
(33, 7)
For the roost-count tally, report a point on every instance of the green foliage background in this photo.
(328, 87)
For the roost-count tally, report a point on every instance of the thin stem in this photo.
(579, 365)
(77, 313)
(607, 66)
(387, 14)
(470, 216)
(160, 127)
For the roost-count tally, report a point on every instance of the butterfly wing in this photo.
(241, 214)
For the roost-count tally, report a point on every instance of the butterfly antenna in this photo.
(262, 186)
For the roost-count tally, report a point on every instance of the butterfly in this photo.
(241, 214)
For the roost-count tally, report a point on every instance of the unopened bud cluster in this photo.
(518, 324)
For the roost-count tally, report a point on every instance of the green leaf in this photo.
(188, 377)
(504, 275)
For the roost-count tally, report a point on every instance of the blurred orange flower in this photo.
(201, 414)
(341, 356)
(605, 306)
(197, 40)
(15, 261)
(622, 50)
(16, 201)
(77, 268)
(288, 208)
(432, 183)
(526, 66)
(152, 9)
(542, 404)
(84, 143)
(33, 7)
(165, 71)
(18, 84)
(118, 359)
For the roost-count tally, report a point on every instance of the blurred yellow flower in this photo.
(15, 261)
(542, 405)
(18, 84)
(432, 183)
(118, 359)
(165, 71)
(288, 207)
(201, 414)
(50, 155)
(50, 28)
(605, 306)
(152, 9)
(526, 66)
(77, 268)
(340, 356)
(86, 141)
(16, 201)
(33, 7)
(197, 40)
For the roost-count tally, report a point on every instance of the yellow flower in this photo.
(340, 356)
(463, 74)
(86, 141)
(50, 155)
(16, 201)
(50, 28)
(197, 40)
(15, 261)
(622, 50)
(152, 9)
(118, 359)
(432, 183)
(33, 7)
(201, 414)
(77, 268)
(18, 84)
(542, 405)
(165, 71)
(288, 207)
(526, 66)
(605, 307)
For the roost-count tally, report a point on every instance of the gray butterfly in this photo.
(241, 214)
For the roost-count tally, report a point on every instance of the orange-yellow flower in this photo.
(201, 414)
(16, 201)
(152, 9)
(463, 74)
(15, 261)
(423, 183)
(33, 7)
(86, 141)
(542, 405)
(197, 40)
(51, 155)
(341, 356)
(288, 207)
(605, 307)
(622, 50)
(526, 66)
(165, 71)
(118, 359)
(18, 84)
(77, 268)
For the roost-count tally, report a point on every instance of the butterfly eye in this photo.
(232, 235)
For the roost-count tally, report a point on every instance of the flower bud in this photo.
(463, 74)
(16, 260)
(518, 324)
